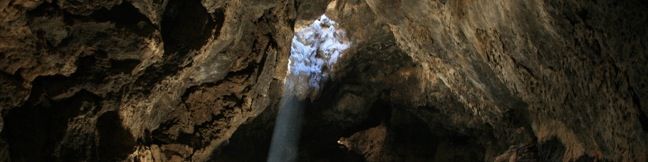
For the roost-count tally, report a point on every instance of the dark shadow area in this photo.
(186, 25)
(320, 136)
(91, 70)
(125, 15)
(551, 150)
(115, 141)
(251, 142)
(34, 130)
(409, 138)
(643, 120)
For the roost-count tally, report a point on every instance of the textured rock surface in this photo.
(160, 80)
(464, 80)
(520, 73)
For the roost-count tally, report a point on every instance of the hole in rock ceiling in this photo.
(315, 49)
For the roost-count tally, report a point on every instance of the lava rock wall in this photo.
(150, 80)
(550, 80)
(191, 80)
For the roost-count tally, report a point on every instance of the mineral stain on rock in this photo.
(439, 80)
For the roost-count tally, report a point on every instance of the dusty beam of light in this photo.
(315, 49)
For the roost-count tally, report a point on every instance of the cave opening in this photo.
(314, 51)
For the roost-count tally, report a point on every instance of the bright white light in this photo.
(315, 49)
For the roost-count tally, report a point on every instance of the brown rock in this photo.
(199, 80)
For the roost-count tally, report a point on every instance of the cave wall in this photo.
(518, 75)
(156, 79)
(549, 80)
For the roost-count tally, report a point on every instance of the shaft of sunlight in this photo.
(314, 51)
